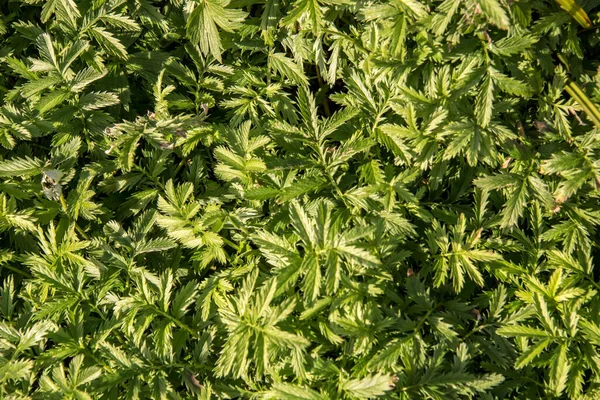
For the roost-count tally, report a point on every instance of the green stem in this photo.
(230, 244)
(175, 321)
(423, 320)
(18, 271)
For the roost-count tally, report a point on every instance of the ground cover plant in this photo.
(299, 199)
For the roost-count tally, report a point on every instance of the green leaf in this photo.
(108, 42)
(495, 13)
(204, 20)
(532, 353)
(51, 100)
(513, 44)
(97, 100)
(522, 331)
(310, 8)
(484, 104)
(21, 167)
(375, 385)
(287, 68)
(290, 391)
(560, 370)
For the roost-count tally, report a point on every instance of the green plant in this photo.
(299, 199)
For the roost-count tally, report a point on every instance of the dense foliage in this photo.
(299, 199)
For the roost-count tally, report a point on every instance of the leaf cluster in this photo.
(299, 199)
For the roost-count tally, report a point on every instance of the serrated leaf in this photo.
(287, 68)
(205, 19)
(21, 167)
(368, 387)
(495, 13)
(522, 331)
(484, 103)
(97, 100)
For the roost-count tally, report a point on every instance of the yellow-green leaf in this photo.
(576, 12)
